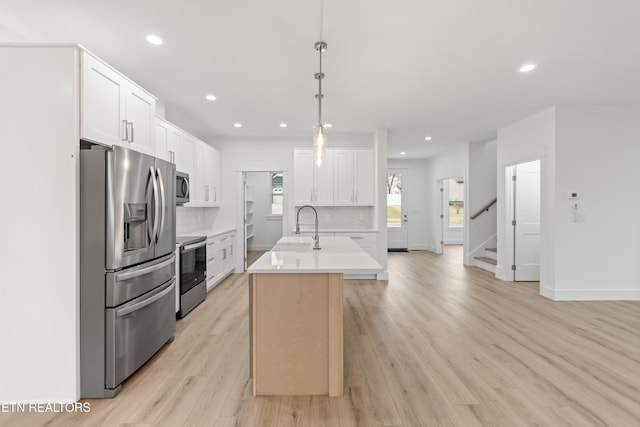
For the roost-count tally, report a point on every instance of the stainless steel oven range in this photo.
(193, 272)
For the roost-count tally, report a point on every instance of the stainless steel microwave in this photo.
(182, 188)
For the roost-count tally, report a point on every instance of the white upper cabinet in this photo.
(212, 175)
(168, 144)
(115, 111)
(313, 186)
(343, 177)
(103, 103)
(162, 137)
(187, 156)
(141, 119)
(205, 174)
(174, 147)
(303, 177)
(323, 181)
(346, 178)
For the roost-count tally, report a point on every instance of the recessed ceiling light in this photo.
(283, 125)
(210, 97)
(237, 125)
(154, 39)
(402, 153)
(427, 138)
(328, 125)
(527, 67)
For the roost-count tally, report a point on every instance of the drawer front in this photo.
(137, 330)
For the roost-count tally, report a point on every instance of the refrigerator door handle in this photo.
(163, 203)
(156, 201)
(137, 306)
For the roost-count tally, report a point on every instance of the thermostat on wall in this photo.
(572, 195)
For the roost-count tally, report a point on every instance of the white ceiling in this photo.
(416, 67)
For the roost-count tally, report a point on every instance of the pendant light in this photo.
(319, 136)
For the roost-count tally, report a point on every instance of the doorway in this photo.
(397, 212)
(263, 212)
(452, 206)
(524, 212)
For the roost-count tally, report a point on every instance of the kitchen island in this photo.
(296, 315)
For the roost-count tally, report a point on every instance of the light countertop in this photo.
(295, 254)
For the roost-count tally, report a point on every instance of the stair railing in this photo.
(484, 209)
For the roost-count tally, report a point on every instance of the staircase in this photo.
(488, 261)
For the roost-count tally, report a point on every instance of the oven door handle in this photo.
(194, 246)
(142, 304)
(143, 271)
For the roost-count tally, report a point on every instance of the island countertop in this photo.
(295, 254)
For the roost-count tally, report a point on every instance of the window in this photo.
(456, 203)
(276, 193)
(394, 200)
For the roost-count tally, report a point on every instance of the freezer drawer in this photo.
(130, 283)
(135, 331)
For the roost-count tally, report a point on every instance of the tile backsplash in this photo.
(337, 217)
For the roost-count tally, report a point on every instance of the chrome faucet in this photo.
(316, 238)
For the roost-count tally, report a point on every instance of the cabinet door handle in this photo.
(215, 194)
(206, 189)
(125, 130)
(311, 194)
(130, 124)
(355, 195)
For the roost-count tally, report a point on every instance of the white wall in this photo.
(481, 188)
(592, 151)
(39, 225)
(597, 155)
(449, 164)
(530, 139)
(267, 228)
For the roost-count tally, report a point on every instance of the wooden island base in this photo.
(296, 333)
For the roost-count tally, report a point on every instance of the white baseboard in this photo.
(591, 294)
(454, 242)
(484, 265)
(504, 275)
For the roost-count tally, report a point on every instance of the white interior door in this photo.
(527, 221)
(397, 212)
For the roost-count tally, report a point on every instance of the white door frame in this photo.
(241, 240)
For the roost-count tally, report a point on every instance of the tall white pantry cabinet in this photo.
(40, 133)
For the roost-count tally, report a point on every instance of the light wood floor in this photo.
(439, 344)
(252, 256)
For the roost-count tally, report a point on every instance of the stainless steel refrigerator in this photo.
(127, 264)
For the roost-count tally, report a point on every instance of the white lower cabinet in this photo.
(220, 260)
